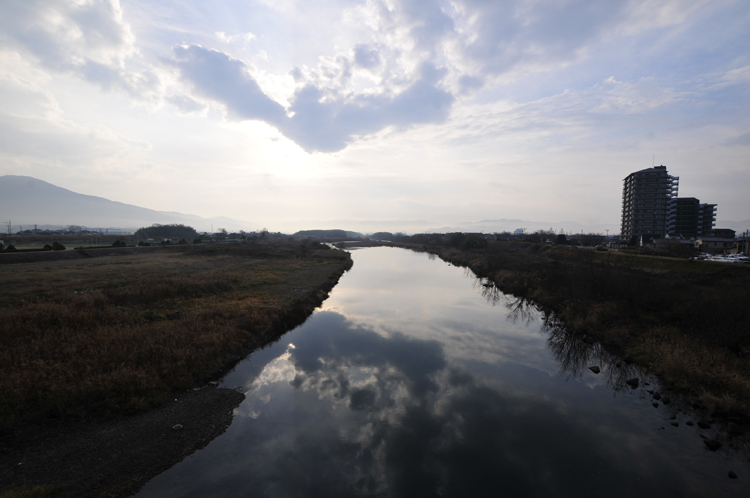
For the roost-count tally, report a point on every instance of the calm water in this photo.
(414, 379)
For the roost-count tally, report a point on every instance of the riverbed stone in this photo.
(712, 444)
(657, 396)
(655, 405)
(595, 369)
(732, 475)
(690, 423)
(633, 383)
(674, 424)
(666, 400)
(703, 424)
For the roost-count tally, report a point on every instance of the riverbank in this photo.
(103, 342)
(687, 321)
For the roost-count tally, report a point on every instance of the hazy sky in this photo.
(286, 113)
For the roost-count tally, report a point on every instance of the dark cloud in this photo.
(323, 120)
(218, 77)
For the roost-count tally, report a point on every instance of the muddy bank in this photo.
(116, 458)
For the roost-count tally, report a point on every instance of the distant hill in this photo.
(27, 201)
(325, 234)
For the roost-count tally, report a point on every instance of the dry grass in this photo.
(34, 492)
(108, 336)
(688, 321)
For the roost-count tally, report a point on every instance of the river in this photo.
(415, 378)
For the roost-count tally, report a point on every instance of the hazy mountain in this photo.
(738, 226)
(423, 226)
(27, 201)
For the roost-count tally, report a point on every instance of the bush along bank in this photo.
(686, 321)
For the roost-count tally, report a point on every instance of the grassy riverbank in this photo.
(113, 335)
(687, 321)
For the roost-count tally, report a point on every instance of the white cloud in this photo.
(318, 119)
(246, 37)
(86, 37)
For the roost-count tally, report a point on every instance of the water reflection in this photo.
(575, 353)
(411, 405)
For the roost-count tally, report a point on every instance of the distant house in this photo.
(715, 245)
(669, 243)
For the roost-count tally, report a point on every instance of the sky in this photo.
(304, 114)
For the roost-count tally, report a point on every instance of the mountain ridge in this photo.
(26, 200)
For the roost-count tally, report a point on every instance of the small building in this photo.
(715, 245)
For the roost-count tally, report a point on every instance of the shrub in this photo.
(119, 243)
(56, 246)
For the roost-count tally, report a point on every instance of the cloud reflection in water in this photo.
(375, 402)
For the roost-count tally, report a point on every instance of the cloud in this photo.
(86, 38)
(220, 78)
(34, 129)
(365, 56)
(318, 119)
(233, 38)
(185, 103)
(741, 140)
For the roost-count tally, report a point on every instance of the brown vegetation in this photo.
(117, 334)
(687, 321)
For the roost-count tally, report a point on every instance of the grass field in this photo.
(112, 335)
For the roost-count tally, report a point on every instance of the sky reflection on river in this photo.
(410, 383)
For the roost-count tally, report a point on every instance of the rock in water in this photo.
(712, 444)
(732, 475)
(633, 383)
(703, 424)
(595, 369)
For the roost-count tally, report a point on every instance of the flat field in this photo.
(112, 335)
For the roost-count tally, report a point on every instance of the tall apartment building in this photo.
(650, 207)
(687, 217)
(646, 198)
